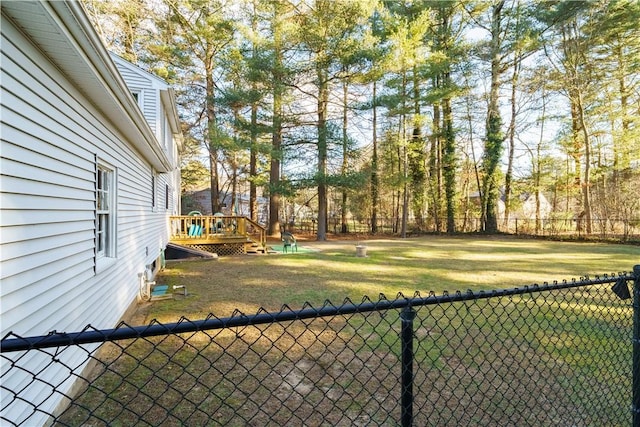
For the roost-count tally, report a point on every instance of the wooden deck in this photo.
(224, 235)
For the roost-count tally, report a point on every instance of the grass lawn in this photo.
(534, 359)
(330, 270)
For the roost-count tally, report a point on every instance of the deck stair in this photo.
(255, 248)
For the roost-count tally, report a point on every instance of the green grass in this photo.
(530, 359)
(330, 270)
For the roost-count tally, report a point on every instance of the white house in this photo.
(88, 179)
(529, 206)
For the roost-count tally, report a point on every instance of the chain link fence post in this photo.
(406, 335)
(636, 347)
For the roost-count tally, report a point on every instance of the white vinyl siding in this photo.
(50, 137)
(137, 95)
(143, 84)
(149, 86)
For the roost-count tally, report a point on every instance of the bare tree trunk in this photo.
(538, 163)
(449, 164)
(375, 193)
(212, 139)
(586, 190)
(405, 159)
(397, 195)
(345, 154)
(234, 186)
(576, 156)
(512, 145)
(253, 155)
(276, 138)
(573, 56)
(323, 102)
(417, 153)
(473, 151)
(494, 137)
(253, 169)
(435, 168)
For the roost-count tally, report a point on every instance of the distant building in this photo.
(526, 208)
(200, 200)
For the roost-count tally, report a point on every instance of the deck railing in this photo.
(198, 228)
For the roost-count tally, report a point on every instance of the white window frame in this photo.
(138, 96)
(154, 191)
(105, 212)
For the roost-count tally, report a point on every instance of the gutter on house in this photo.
(105, 88)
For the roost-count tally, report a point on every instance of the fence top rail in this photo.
(13, 342)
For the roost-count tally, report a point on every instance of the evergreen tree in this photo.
(326, 31)
(193, 36)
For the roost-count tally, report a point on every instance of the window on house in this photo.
(137, 95)
(153, 189)
(166, 196)
(105, 212)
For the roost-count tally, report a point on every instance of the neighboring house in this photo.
(475, 198)
(88, 179)
(200, 200)
(528, 209)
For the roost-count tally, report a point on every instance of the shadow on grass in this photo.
(543, 359)
(330, 270)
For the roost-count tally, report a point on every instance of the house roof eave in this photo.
(169, 102)
(70, 35)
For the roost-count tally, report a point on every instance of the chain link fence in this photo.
(551, 355)
(626, 230)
